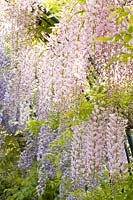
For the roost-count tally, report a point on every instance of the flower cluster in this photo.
(29, 153)
(100, 25)
(63, 69)
(97, 145)
(115, 143)
(47, 169)
(55, 75)
(88, 148)
(59, 74)
(21, 73)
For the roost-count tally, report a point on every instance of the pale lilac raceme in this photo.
(41, 181)
(101, 26)
(45, 138)
(4, 61)
(88, 148)
(21, 74)
(63, 65)
(78, 158)
(45, 85)
(29, 153)
(71, 197)
(46, 170)
(10, 103)
(28, 86)
(115, 144)
(98, 145)
(2, 89)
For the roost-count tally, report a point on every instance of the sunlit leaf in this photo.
(103, 39)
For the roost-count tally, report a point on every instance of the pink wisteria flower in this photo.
(115, 143)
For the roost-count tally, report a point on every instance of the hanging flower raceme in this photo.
(88, 148)
(29, 154)
(115, 144)
(63, 70)
(21, 74)
(98, 145)
(47, 169)
(100, 26)
(78, 160)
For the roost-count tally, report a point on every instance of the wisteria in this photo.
(29, 153)
(54, 78)
(97, 145)
(115, 143)
(47, 169)
(61, 83)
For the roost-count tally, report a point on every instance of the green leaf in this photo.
(59, 173)
(114, 13)
(127, 38)
(82, 1)
(53, 120)
(34, 126)
(122, 17)
(129, 47)
(130, 29)
(103, 39)
(131, 20)
(125, 57)
(116, 38)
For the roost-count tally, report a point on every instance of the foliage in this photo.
(56, 6)
(15, 184)
(34, 126)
